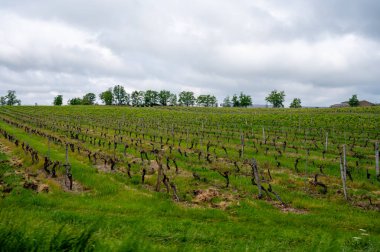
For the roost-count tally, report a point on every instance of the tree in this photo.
(75, 101)
(173, 100)
(206, 101)
(119, 95)
(10, 99)
(227, 102)
(3, 101)
(245, 100)
(163, 97)
(296, 103)
(137, 98)
(106, 97)
(186, 98)
(353, 101)
(276, 98)
(89, 99)
(151, 98)
(127, 99)
(58, 100)
(213, 101)
(242, 100)
(235, 101)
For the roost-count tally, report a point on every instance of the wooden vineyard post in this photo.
(68, 168)
(327, 141)
(343, 171)
(159, 173)
(344, 162)
(257, 177)
(67, 154)
(377, 160)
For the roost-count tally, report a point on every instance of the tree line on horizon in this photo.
(149, 98)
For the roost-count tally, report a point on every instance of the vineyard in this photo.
(170, 178)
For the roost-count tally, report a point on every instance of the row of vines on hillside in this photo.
(235, 145)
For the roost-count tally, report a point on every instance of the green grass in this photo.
(115, 213)
(132, 221)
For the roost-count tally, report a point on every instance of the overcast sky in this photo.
(319, 51)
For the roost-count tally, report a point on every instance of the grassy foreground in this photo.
(113, 213)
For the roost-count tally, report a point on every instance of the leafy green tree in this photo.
(227, 102)
(276, 98)
(206, 101)
(235, 101)
(89, 99)
(163, 97)
(213, 101)
(75, 101)
(151, 98)
(201, 100)
(353, 101)
(173, 100)
(186, 98)
(58, 100)
(106, 97)
(242, 100)
(296, 103)
(3, 101)
(119, 95)
(10, 99)
(127, 99)
(245, 100)
(137, 98)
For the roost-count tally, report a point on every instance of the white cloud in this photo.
(30, 44)
(347, 55)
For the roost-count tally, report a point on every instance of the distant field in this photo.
(171, 178)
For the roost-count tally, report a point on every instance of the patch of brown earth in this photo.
(103, 168)
(222, 205)
(135, 160)
(368, 206)
(5, 149)
(43, 188)
(15, 162)
(153, 167)
(35, 185)
(366, 202)
(205, 195)
(31, 184)
(76, 188)
(376, 192)
(285, 208)
(208, 195)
